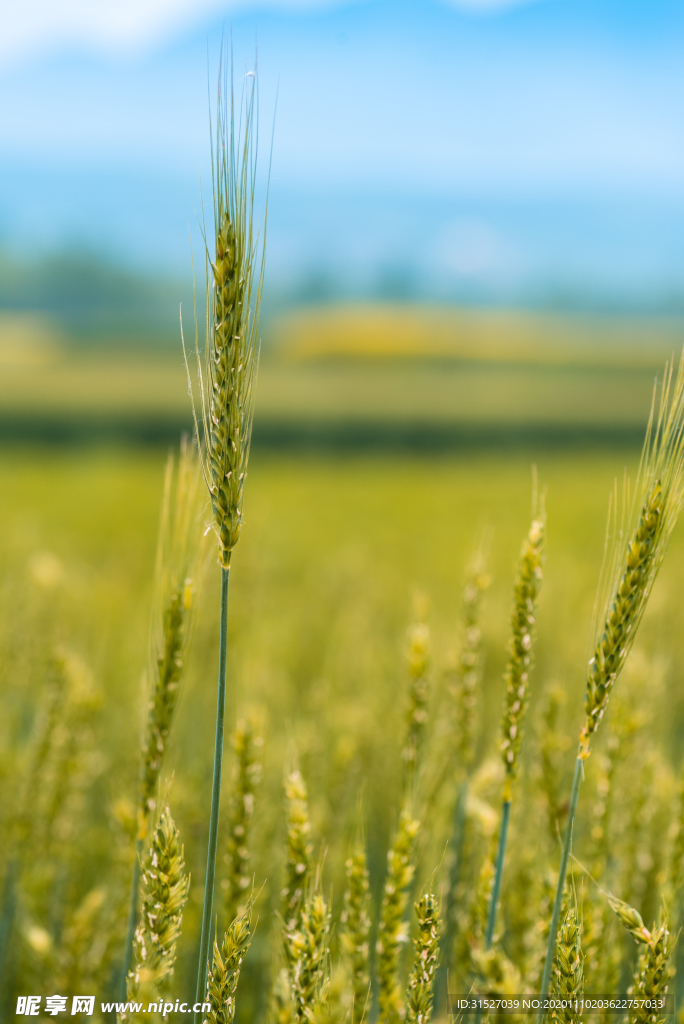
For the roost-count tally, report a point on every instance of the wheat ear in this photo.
(418, 658)
(421, 982)
(520, 649)
(676, 860)
(569, 969)
(652, 972)
(463, 680)
(234, 282)
(225, 970)
(308, 954)
(49, 715)
(165, 887)
(241, 809)
(177, 567)
(298, 866)
(393, 930)
(355, 931)
(636, 557)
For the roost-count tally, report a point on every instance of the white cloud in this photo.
(110, 25)
(30, 26)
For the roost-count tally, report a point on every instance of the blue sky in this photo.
(505, 149)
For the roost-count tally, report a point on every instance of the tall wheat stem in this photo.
(498, 871)
(215, 796)
(520, 651)
(565, 857)
(458, 838)
(635, 560)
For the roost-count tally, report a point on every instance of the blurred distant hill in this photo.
(91, 299)
(339, 377)
(96, 299)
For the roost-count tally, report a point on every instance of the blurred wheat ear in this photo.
(237, 857)
(177, 568)
(355, 930)
(640, 537)
(520, 651)
(226, 376)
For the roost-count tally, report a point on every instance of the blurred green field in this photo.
(355, 377)
(338, 541)
(332, 553)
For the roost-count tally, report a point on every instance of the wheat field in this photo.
(340, 557)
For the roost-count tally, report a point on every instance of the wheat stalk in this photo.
(177, 566)
(226, 384)
(517, 678)
(464, 678)
(50, 713)
(635, 560)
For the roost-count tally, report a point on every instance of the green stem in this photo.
(567, 843)
(215, 798)
(458, 836)
(132, 919)
(498, 874)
